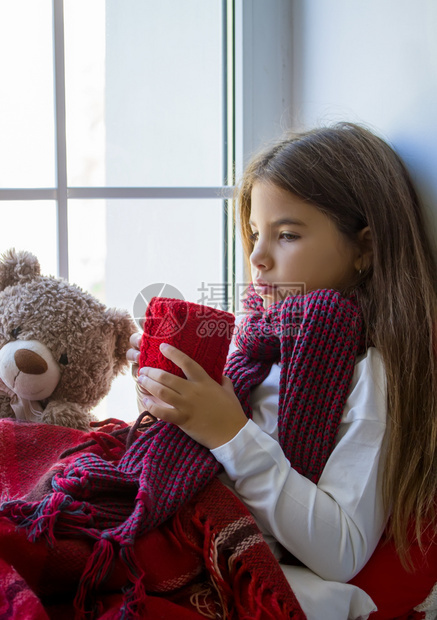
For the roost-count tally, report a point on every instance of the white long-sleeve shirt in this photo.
(332, 527)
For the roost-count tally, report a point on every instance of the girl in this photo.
(333, 211)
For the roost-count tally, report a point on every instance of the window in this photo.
(119, 135)
(112, 169)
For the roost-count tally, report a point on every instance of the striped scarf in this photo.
(316, 338)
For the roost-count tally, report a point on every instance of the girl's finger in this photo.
(191, 369)
(135, 340)
(159, 409)
(163, 377)
(133, 355)
(164, 393)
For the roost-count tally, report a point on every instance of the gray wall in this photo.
(373, 62)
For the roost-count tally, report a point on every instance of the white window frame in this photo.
(257, 34)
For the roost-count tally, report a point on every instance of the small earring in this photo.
(360, 271)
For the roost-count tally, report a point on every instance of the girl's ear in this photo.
(365, 245)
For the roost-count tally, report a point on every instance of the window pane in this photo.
(87, 245)
(22, 229)
(144, 92)
(176, 242)
(125, 248)
(84, 31)
(26, 94)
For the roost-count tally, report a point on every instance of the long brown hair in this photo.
(358, 180)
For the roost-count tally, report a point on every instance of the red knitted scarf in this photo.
(316, 337)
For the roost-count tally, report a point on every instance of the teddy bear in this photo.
(60, 348)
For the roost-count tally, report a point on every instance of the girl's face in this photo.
(296, 246)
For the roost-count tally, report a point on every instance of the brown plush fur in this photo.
(87, 340)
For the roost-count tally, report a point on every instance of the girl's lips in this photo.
(262, 288)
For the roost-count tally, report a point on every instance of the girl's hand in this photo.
(210, 413)
(133, 354)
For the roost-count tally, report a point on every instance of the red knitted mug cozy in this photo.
(203, 333)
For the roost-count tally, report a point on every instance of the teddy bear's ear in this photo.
(124, 327)
(17, 267)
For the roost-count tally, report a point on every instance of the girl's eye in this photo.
(253, 237)
(15, 332)
(289, 236)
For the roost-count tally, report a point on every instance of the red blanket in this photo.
(209, 560)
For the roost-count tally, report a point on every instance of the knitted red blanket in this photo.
(114, 501)
(209, 560)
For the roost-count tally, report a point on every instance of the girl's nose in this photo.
(261, 257)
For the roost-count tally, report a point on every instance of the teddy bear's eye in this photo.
(63, 359)
(15, 332)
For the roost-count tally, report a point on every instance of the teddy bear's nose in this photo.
(30, 362)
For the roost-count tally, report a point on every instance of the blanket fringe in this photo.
(135, 596)
(243, 596)
(178, 534)
(252, 606)
(97, 569)
(210, 557)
